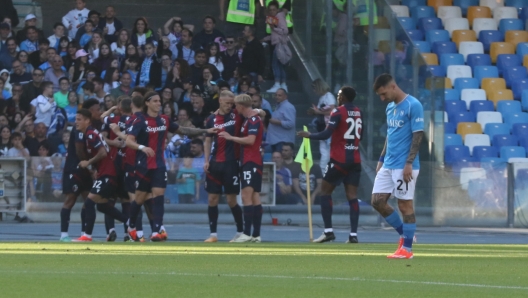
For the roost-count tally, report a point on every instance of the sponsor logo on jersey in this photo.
(419, 120)
(229, 123)
(395, 123)
(157, 128)
(351, 147)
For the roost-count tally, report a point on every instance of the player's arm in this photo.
(101, 153)
(132, 144)
(417, 127)
(117, 131)
(192, 132)
(249, 140)
(207, 153)
(326, 133)
(415, 146)
(107, 113)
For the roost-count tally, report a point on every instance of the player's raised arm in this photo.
(115, 128)
(192, 132)
(327, 132)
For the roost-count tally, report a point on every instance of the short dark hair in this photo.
(197, 141)
(188, 31)
(151, 43)
(64, 78)
(31, 27)
(90, 103)
(57, 25)
(138, 101)
(88, 86)
(52, 48)
(140, 90)
(45, 145)
(252, 29)
(257, 88)
(274, 3)
(92, 12)
(348, 93)
(289, 144)
(85, 112)
(43, 41)
(98, 80)
(89, 21)
(222, 84)
(14, 135)
(210, 17)
(125, 105)
(45, 85)
(200, 51)
(382, 81)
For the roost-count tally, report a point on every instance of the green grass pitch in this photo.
(260, 270)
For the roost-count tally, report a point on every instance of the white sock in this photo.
(162, 228)
(89, 236)
(353, 234)
(64, 234)
(110, 231)
(329, 230)
(154, 234)
(139, 234)
(214, 235)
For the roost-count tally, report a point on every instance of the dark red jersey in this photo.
(347, 125)
(93, 141)
(130, 154)
(117, 153)
(251, 153)
(221, 149)
(152, 132)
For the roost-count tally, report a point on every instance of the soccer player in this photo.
(76, 180)
(345, 127)
(398, 166)
(251, 171)
(105, 183)
(148, 135)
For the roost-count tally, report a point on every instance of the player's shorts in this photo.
(122, 191)
(223, 177)
(105, 186)
(76, 182)
(391, 181)
(146, 179)
(251, 175)
(337, 173)
(130, 182)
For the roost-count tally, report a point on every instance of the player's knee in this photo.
(231, 201)
(212, 200)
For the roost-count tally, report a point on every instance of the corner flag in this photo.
(304, 156)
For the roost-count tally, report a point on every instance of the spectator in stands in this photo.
(166, 67)
(111, 23)
(88, 90)
(173, 30)
(78, 70)
(213, 50)
(71, 108)
(188, 179)
(131, 66)
(63, 147)
(31, 44)
(150, 69)
(253, 57)
(93, 16)
(19, 74)
(69, 57)
(44, 105)
(31, 90)
(168, 110)
(197, 68)
(111, 79)
(124, 87)
(141, 34)
(33, 143)
(3, 120)
(230, 58)
(325, 106)
(243, 85)
(75, 18)
(105, 58)
(89, 27)
(207, 84)
(30, 22)
(5, 144)
(276, 19)
(16, 120)
(300, 182)
(23, 57)
(55, 72)
(50, 53)
(281, 127)
(18, 149)
(61, 96)
(58, 33)
(92, 48)
(208, 33)
(199, 113)
(283, 181)
(184, 101)
(109, 102)
(38, 57)
(7, 57)
(255, 90)
(4, 95)
(64, 43)
(186, 48)
(118, 47)
(12, 105)
(5, 30)
(174, 79)
(99, 92)
(9, 12)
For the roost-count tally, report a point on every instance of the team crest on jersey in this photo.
(106, 180)
(136, 184)
(163, 120)
(401, 113)
(395, 111)
(232, 116)
(75, 188)
(71, 176)
(80, 135)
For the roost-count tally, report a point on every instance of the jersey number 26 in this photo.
(354, 125)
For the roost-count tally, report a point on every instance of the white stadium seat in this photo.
(469, 95)
(480, 24)
(400, 10)
(456, 24)
(492, 4)
(472, 140)
(484, 118)
(448, 12)
(467, 174)
(504, 13)
(458, 71)
(470, 47)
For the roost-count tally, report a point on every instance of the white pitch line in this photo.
(356, 279)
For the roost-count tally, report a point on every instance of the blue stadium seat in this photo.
(488, 71)
(462, 162)
(461, 117)
(520, 129)
(522, 49)
(414, 3)
(492, 163)
(455, 106)
(480, 152)
(507, 60)
(466, 83)
(451, 94)
(418, 12)
(407, 23)
(519, 4)
(517, 117)
(444, 47)
(451, 59)
(452, 139)
(481, 106)
(524, 100)
(432, 36)
(465, 4)
(487, 37)
(415, 35)
(508, 106)
(523, 142)
(474, 60)
(449, 127)
(499, 141)
(426, 24)
(423, 46)
(510, 24)
(492, 129)
(455, 153)
(517, 88)
(437, 70)
(523, 15)
(513, 73)
(508, 152)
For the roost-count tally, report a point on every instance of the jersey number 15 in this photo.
(354, 125)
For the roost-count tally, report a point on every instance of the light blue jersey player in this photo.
(399, 166)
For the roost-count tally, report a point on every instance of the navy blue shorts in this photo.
(76, 182)
(146, 180)
(122, 191)
(223, 177)
(130, 182)
(105, 186)
(251, 175)
(337, 173)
